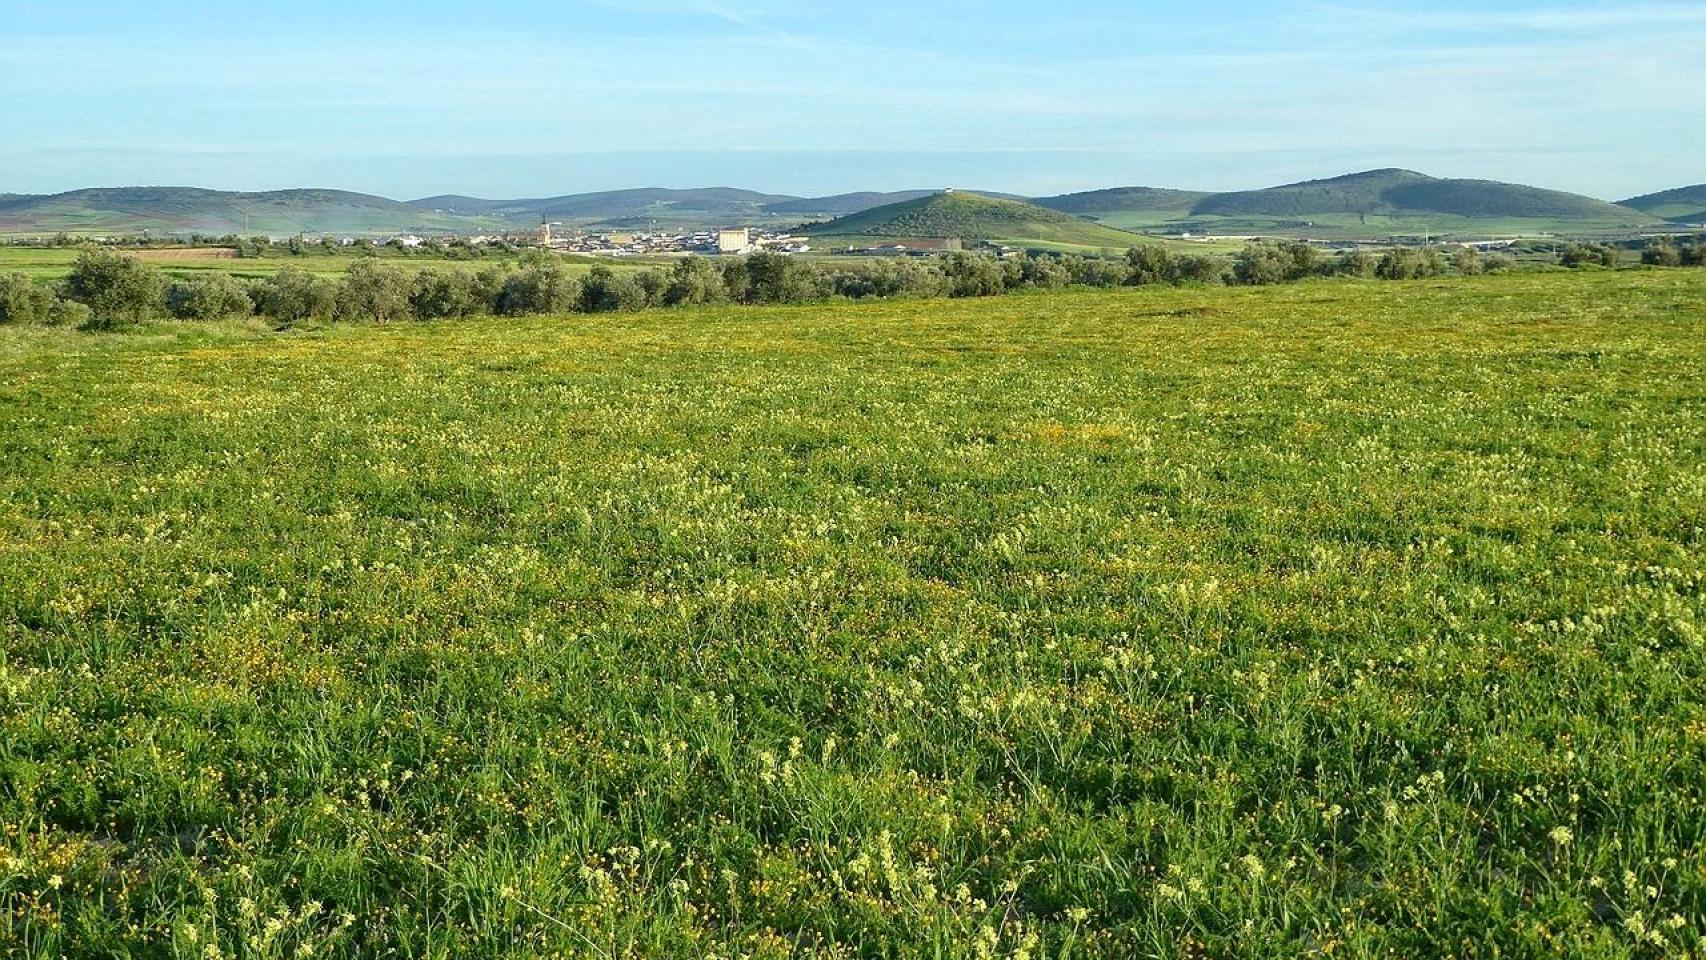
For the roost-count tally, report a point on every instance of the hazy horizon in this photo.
(514, 101)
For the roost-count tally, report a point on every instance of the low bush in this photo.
(118, 290)
(212, 297)
(23, 301)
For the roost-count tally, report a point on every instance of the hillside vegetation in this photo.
(186, 210)
(1101, 203)
(1375, 203)
(1682, 205)
(1371, 204)
(843, 204)
(1404, 193)
(629, 209)
(976, 217)
(1179, 623)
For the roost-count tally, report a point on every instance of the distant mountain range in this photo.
(1374, 203)
(128, 211)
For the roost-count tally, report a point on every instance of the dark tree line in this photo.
(1665, 252)
(1271, 262)
(107, 289)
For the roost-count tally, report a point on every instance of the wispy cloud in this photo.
(1493, 21)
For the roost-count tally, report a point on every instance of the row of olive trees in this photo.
(1665, 252)
(453, 249)
(105, 289)
(1270, 262)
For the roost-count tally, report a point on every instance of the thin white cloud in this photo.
(1551, 19)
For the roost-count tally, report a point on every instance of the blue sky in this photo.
(506, 98)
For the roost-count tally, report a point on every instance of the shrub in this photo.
(778, 278)
(736, 282)
(1356, 263)
(486, 288)
(652, 284)
(973, 275)
(22, 301)
(372, 291)
(1097, 272)
(544, 287)
(70, 313)
(1274, 262)
(438, 294)
(116, 289)
(1662, 253)
(1196, 268)
(1408, 263)
(1467, 261)
(1148, 264)
(209, 297)
(606, 291)
(1590, 254)
(694, 280)
(891, 277)
(1043, 273)
(295, 296)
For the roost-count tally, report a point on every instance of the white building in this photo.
(734, 241)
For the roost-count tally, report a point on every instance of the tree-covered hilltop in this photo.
(976, 217)
(1682, 205)
(1405, 192)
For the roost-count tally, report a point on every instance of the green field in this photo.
(1333, 619)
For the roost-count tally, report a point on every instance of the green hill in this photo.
(1356, 193)
(186, 210)
(843, 204)
(1395, 200)
(1128, 208)
(976, 217)
(1362, 205)
(1122, 198)
(1682, 205)
(623, 209)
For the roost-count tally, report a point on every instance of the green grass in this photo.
(1679, 212)
(1349, 619)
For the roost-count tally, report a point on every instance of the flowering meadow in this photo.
(1341, 619)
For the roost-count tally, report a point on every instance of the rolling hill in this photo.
(1397, 200)
(185, 210)
(1682, 205)
(1127, 208)
(1362, 205)
(1122, 198)
(841, 205)
(975, 217)
(622, 209)
(707, 207)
